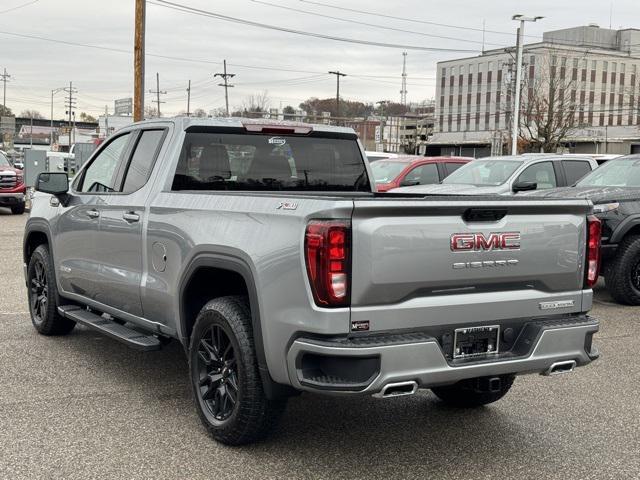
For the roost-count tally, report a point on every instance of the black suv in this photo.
(614, 188)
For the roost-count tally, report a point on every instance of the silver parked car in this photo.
(506, 175)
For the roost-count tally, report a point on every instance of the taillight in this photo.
(327, 246)
(594, 230)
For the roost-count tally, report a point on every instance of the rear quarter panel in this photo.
(267, 238)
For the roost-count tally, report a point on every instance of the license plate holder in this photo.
(476, 341)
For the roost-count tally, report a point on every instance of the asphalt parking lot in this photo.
(84, 406)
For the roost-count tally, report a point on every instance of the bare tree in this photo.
(549, 112)
(257, 102)
(150, 112)
(31, 114)
(200, 113)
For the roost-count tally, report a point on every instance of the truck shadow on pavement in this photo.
(331, 435)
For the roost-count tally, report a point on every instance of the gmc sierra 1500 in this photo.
(265, 250)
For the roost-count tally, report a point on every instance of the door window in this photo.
(575, 170)
(422, 175)
(540, 173)
(143, 160)
(451, 167)
(100, 175)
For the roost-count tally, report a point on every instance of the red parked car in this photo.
(408, 170)
(12, 188)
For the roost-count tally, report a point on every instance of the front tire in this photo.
(473, 392)
(224, 374)
(43, 295)
(622, 276)
(18, 209)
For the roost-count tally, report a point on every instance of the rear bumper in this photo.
(380, 360)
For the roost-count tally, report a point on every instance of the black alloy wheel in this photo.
(218, 375)
(39, 291)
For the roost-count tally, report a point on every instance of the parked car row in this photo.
(611, 182)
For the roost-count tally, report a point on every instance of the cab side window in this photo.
(575, 170)
(451, 167)
(541, 174)
(422, 175)
(100, 176)
(143, 159)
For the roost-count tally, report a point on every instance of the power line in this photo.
(445, 25)
(19, 6)
(404, 19)
(218, 16)
(384, 27)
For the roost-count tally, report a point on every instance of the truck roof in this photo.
(184, 122)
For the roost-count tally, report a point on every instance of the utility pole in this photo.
(138, 61)
(338, 75)
(71, 104)
(5, 78)
(188, 98)
(225, 77)
(157, 92)
(106, 121)
(403, 90)
(516, 109)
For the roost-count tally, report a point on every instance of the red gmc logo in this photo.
(467, 242)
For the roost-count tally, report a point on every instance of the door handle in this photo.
(131, 217)
(93, 213)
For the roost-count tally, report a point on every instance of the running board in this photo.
(132, 338)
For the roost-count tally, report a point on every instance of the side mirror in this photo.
(409, 183)
(524, 186)
(55, 183)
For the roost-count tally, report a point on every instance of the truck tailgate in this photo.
(422, 262)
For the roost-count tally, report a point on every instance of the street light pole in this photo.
(516, 104)
(53, 92)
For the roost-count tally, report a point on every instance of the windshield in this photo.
(385, 171)
(483, 172)
(3, 161)
(623, 172)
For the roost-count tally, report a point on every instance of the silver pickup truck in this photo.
(264, 250)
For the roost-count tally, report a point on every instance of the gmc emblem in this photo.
(470, 242)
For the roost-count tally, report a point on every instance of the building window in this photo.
(554, 60)
(614, 67)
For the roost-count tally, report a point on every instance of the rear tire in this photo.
(622, 276)
(224, 374)
(470, 393)
(43, 295)
(18, 209)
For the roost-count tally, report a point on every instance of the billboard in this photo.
(123, 106)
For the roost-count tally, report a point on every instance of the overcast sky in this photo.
(38, 66)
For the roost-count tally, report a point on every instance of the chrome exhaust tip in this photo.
(398, 389)
(558, 368)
